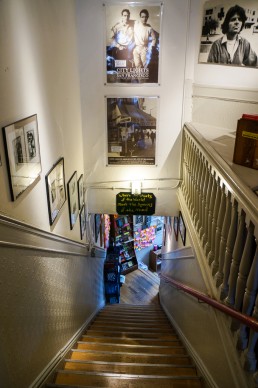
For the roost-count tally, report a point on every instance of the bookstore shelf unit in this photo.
(121, 231)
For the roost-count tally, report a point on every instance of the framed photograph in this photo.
(175, 227)
(97, 226)
(73, 199)
(82, 221)
(229, 33)
(55, 185)
(132, 43)
(131, 130)
(21, 141)
(80, 191)
(182, 228)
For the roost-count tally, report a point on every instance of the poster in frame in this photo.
(229, 33)
(132, 130)
(175, 227)
(82, 221)
(55, 186)
(73, 200)
(182, 228)
(80, 191)
(21, 142)
(132, 43)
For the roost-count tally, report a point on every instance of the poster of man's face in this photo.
(230, 33)
(132, 43)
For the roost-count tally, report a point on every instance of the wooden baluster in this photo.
(249, 300)
(214, 222)
(237, 255)
(229, 251)
(210, 212)
(221, 215)
(185, 157)
(197, 188)
(223, 241)
(204, 197)
(244, 269)
(191, 177)
(206, 209)
(250, 360)
(200, 188)
(187, 164)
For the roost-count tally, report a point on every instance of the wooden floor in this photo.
(140, 287)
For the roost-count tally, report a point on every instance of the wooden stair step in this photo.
(92, 355)
(121, 318)
(82, 378)
(132, 323)
(128, 315)
(132, 341)
(131, 348)
(130, 327)
(130, 368)
(130, 334)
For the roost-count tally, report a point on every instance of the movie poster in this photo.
(132, 130)
(230, 33)
(132, 43)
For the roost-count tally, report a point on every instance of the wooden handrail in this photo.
(245, 319)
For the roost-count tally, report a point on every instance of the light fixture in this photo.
(136, 187)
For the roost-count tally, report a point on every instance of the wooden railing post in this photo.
(214, 221)
(204, 199)
(244, 269)
(210, 213)
(237, 254)
(223, 241)
(249, 300)
(221, 215)
(229, 251)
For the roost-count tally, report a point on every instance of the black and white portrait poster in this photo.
(230, 33)
(132, 130)
(132, 43)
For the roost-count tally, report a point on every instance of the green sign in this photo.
(142, 204)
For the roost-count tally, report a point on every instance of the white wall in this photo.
(91, 39)
(39, 74)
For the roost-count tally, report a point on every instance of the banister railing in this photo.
(223, 211)
(245, 319)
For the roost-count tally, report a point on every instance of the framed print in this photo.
(97, 226)
(73, 200)
(55, 185)
(132, 43)
(182, 228)
(230, 33)
(80, 191)
(82, 221)
(21, 141)
(175, 227)
(131, 130)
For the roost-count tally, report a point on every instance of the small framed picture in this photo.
(97, 226)
(182, 228)
(21, 143)
(80, 191)
(55, 185)
(73, 200)
(82, 221)
(175, 227)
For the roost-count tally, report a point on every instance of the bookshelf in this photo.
(121, 231)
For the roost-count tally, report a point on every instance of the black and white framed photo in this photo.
(80, 191)
(182, 228)
(21, 141)
(131, 130)
(175, 227)
(55, 185)
(229, 33)
(82, 221)
(73, 200)
(133, 43)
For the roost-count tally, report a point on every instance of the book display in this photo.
(121, 231)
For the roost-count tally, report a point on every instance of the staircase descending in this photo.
(128, 346)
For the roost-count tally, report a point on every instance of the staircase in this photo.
(128, 346)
